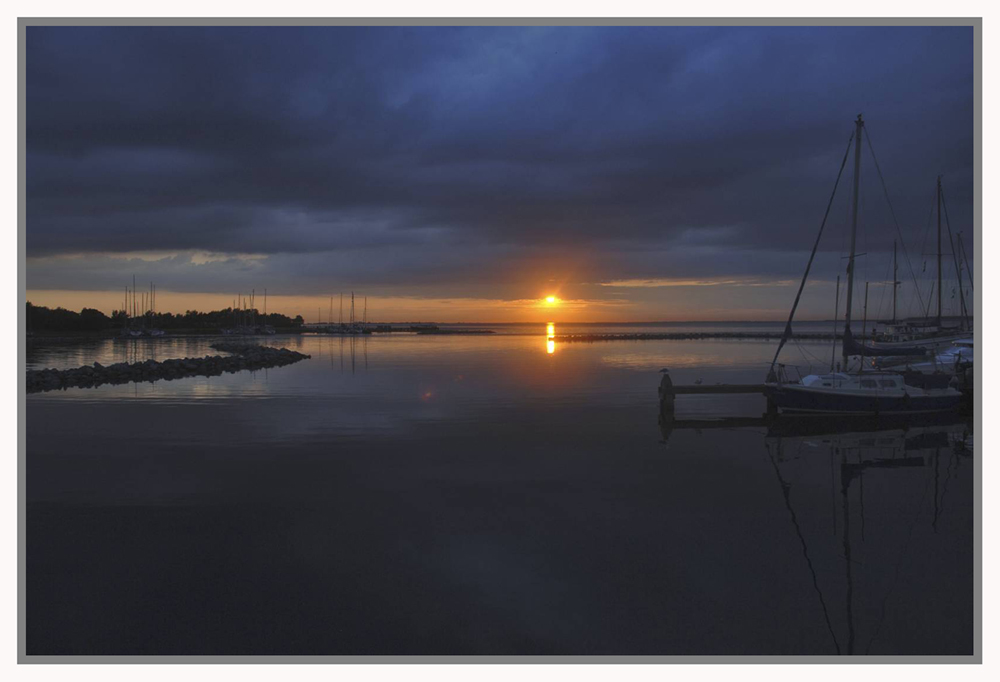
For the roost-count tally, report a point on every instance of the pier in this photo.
(668, 392)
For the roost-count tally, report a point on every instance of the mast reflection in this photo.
(902, 456)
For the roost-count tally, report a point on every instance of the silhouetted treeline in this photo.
(42, 319)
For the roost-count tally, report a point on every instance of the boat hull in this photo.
(803, 399)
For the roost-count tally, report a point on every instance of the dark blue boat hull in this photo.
(788, 398)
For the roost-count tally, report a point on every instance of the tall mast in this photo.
(860, 124)
(895, 281)
(340, 320)
(958, 262)
(836, 314)
(939, 249)
(864, 326)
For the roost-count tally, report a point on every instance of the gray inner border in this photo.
(975, 22)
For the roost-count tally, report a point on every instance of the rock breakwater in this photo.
(243, 356)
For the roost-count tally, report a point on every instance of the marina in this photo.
(480, 247)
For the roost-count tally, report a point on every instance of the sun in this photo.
(551, 300)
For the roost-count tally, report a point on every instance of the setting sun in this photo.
(551, 300)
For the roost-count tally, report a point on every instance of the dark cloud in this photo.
(446, 155)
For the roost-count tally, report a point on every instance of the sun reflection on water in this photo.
(550, 338)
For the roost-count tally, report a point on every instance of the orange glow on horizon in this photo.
(381, 308)
(431, 309)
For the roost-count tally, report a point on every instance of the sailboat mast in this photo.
(864, 326)
(860, 124)
(836, 314)
(939, 250)
(958, 263)
(895, 281)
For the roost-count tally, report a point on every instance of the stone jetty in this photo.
(691, 336)
(242, 356)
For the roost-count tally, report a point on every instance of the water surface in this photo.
(493, 494)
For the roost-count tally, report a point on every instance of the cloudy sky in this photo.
(647, 173)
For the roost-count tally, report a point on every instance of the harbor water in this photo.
(486, 494)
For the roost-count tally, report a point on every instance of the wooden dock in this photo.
(668, 391)
(715, 389)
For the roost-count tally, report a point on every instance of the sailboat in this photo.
(921, 336)
(863, 392)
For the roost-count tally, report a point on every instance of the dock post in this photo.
(666, 391)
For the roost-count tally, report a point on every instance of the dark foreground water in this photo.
(484, 495)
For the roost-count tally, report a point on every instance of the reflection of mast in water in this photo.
(844, 484)
(897, 441)
(351, 340)
(884, 443)
(786, 490)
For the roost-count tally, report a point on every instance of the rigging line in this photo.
(809, 357)
(954, 255)
(786, 334)
(892, 212)
(786, 490)
(965, 257)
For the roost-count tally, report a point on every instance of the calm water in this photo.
(484, 495)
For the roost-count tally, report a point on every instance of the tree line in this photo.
(43, 319)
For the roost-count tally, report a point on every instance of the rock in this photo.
(243, 356)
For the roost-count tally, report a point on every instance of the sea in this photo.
(495, 494)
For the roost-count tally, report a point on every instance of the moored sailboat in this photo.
(861, 392)
(927, 335)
